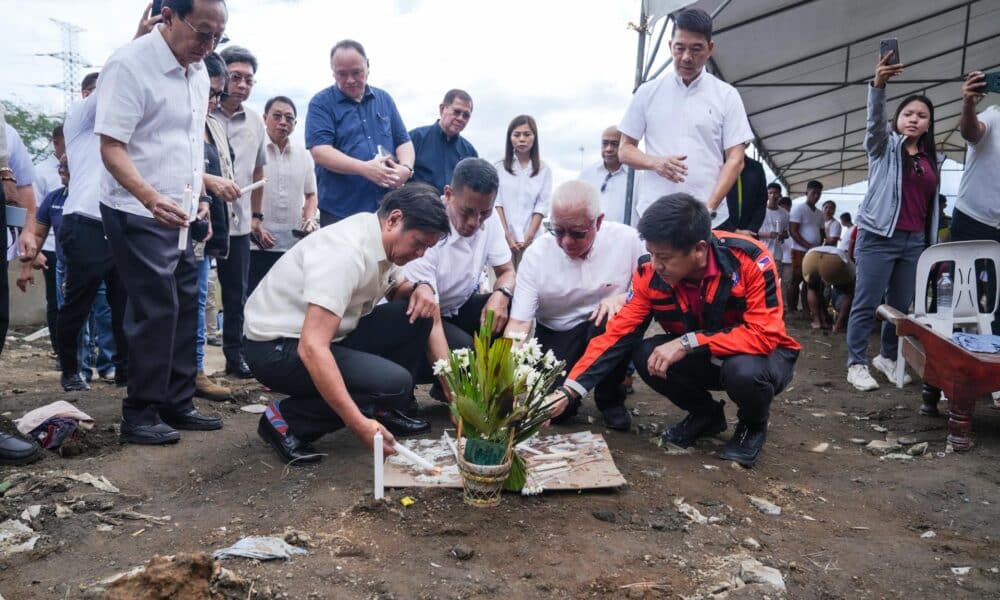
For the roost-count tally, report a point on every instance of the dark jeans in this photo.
(161, 318)
(233, 272)
(89, 263)
(750, 380)
(51, 301)
(260, 263)
(570, 345)
(377, 360)
(964, 228)
(327, 218)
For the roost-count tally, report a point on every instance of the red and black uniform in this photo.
(738, 334)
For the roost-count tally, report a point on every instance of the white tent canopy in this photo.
(802, 67)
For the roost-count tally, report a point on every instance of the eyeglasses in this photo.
(459, 113)
(283, 117)
(575, 234)
(215, 94)
(206, 37)
(240, 77)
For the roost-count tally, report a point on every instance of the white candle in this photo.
(188, 208)
(379, 465)
(415, 458)
(253, 186)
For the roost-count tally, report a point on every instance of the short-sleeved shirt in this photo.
(832, 228)
(157, 107)
(613, 186)
(775, 221)
(437, 154)
(246, 135)
(47, 180)
(290, 176)
(522, 195)
(455, 265)
(980, 187)
(560, 292)
(342, 268)
(810, 222)
(845, 239)
(699, 120)
(786, 247)
(83, 151)
(356, 129)
(50, 212)
(19, 160)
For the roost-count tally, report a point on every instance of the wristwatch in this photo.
(7, 174)
(258, 216)
(423, 282)
(689, 342)
(506, 291)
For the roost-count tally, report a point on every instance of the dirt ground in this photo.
(852, 525)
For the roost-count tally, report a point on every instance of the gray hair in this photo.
(577, 194)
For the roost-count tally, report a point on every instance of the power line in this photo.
(71, 60)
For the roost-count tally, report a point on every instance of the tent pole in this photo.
(641, 31)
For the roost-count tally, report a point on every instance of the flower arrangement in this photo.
(499, 396)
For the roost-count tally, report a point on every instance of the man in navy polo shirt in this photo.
(346, 124)
(440, 146)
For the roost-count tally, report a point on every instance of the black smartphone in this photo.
(157, 7)
(299, 233)
(992, 84)
(889, 45)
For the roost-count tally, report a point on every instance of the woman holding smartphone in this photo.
(898, 219)
(525, 186)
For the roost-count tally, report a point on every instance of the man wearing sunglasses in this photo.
(142, 209)
(440, 146)
(572, 282)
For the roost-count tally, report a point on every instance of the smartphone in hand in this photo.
(157, 8)
(889, 45)
(992, 84)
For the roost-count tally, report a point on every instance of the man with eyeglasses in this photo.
(154, 155)
(440, 146)
(289, 203)
(245, 130)
(610, 177)
(572, 282)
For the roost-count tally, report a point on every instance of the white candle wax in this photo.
(379, 465)
(182, 239)
(253, 186)
(415, 458)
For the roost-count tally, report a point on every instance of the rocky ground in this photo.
(896, 520)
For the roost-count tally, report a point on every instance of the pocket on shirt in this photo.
(385, 125)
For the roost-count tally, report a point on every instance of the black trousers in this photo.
(377, 361)
(260, 263)
(161, 317)
(4, 285)
(51, 301)
(327, 218)
(570, 346)
(89, 263)
(233, 273)
(751, 381)
(458, 330)
(964, 228)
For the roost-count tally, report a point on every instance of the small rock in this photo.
(820, 448)
(961, 570)
(462, 552)
(907, 440)
(653, 474)
(928, 535)
(764, 506)
(858, 441)
(917, 449)
(105, 527)
(879, 428)
(881, 447)
(711, 467)
(604, 515)
(896, 456)
(752, 571)
(750, 544)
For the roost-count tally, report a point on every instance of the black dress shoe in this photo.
(290, 448)
(745, 444)
(694, 426)
(192, 420)
(571, 409)
(72, 382)
(412, 408)
(239, 370)
(17, 451)
(617, 417)
(401, 425)
(150, 435)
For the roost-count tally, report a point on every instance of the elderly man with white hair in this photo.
(572, 282)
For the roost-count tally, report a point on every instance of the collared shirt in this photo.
(437, 154)
(356, 129)
(148, 101)
(694, 291)
(47, 180)
(50, 212)
(612, 185)
(83, 151)
(810, 222)
(521, 195)
(19, 160)
(455, 265)
(561, 292)
(980, 186)
(342, 268)
(290, 176)
(699, 120)
(246, 134)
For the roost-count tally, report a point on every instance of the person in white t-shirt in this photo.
(572, 282)
(610, 177)
(805, 226)
(525, 186)
(694, 125)
(791, 300)
(847, 227)
(832, 230)
(774, 230)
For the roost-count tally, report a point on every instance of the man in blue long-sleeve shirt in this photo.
(440, 146)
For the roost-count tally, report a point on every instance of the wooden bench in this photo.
(965, 377)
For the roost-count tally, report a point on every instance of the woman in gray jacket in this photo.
(896, 221)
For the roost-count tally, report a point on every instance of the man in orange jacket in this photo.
(717, 297)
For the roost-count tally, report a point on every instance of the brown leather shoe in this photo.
(209, 390)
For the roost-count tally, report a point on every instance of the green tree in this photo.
(35, 128)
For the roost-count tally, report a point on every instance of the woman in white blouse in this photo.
(525, 185)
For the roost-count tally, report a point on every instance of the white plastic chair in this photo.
(965, 313)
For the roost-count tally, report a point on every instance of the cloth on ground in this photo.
(60, 408)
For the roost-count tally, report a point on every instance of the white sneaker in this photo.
(888, 368)
(860, 378)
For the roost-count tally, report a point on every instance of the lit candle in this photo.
(416, 459)
(379, 465)
(188, 209)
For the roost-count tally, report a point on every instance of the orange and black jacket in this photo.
(742, 311)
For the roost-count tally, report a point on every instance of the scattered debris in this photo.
(16, 537)
(100, 483)
(961, 570)
(879, 428)
(881, 447)
(928, 535)
(917, 449)
(690, 512)
(750, 544)
(752, 571)
(711, 467)
(407, 501)
(259, 548)
(907, 440)
(182, 576)
(604, 515)
(255, 409)
(896, 456)
(462, 552)
(764, 506)
(858, 441)
(820, 448)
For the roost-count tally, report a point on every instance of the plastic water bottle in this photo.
(944, 294)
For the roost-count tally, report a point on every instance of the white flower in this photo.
(549, 360)
(462, 355)
(532, 351)
(517, 336)
(523, 372)
(442, 367)
(533, 378)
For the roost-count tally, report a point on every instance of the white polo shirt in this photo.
(290, 176)
(47, 179)
(83, 150)
(560, 292)
(455, 265)
(980, 187)
(342, 268)
(521, 195)
(810, 222)
(148, 101)
(246, 134)
(699, 120)
(613, 195)
(775, 221)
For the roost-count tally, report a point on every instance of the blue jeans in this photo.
(886, 268)
(100, 322)
(204, 266)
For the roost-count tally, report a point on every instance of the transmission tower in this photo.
(71, 60)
